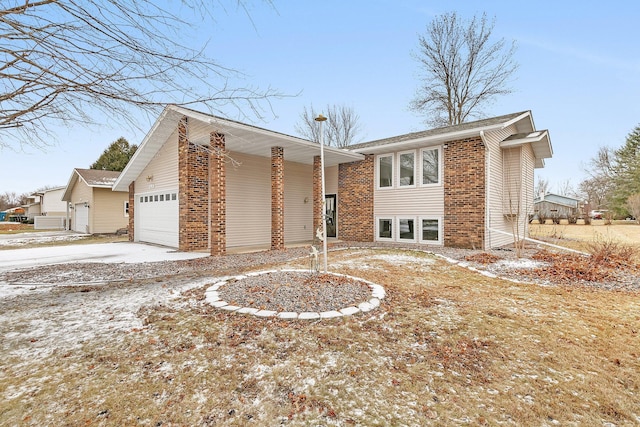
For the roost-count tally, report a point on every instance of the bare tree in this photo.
(342, 125)
(461, 69)
(599, 185)
(633, 204)
(69, 61)
(542, 186)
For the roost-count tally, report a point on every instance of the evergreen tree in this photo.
(116, 156)
(626, 172)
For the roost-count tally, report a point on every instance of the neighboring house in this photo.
(199, 182)
(93, 206)
(33, 206)
(556, 206)
(51, 203)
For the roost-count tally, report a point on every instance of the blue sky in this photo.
(579, 74)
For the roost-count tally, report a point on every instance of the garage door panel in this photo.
(157, 218)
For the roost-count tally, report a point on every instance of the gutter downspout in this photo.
(487, 204)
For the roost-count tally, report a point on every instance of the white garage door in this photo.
(156, 218)
(81, 218)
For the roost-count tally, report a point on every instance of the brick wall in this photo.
(217, 183)
(193, 184)
(464, 193)
(277, 198)
(132, 203)
(355, 200)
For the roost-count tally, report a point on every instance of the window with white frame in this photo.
(126, 208)
(406, 229)
(430, 230)
(385, 229)
(430, 166)
(385, 171)
(406, 169)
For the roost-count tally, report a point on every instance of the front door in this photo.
(331, 218)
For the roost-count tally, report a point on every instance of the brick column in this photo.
(132, 202)
(193, 185)
(277, 198)
(317, 194)
(464, 193)
(355, 200)
(218, 198)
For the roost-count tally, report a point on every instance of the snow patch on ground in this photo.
(395, 259)
(23, 239)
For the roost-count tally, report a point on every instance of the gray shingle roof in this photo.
(478, 124)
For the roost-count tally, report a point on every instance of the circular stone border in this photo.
(212, 296)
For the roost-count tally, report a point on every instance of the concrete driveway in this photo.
(120, 252)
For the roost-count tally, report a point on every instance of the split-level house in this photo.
(200, 182)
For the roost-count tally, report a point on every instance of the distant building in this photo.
(555, 206)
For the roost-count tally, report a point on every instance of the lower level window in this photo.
(430, 229)
(385, 228)
(406, 229)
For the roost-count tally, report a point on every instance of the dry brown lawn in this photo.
(448, 346)
(625, 232)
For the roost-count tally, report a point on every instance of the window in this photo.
(430, 230)
(173, 196)
(126, 208)
(430, 166)
(385, 229)
(167, 197)
(146, 199)
(155, 198)
(141, 199)
(407, 166)
(406, 229)
(385, 171)
(162, 197)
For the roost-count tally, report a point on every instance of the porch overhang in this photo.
(239, 137)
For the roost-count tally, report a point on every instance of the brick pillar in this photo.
(464, 193)
(355, 200)
(218, 198)
(317, 194)
(277, 198)
(132, 202)
(193, 185)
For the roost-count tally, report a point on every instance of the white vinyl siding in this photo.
(298, 215)
(106, 210)
(248, 193)
(495, 189)
(249, 201)
(162, 171)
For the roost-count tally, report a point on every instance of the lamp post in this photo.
(322, 119)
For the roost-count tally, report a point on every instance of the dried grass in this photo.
(448, 346)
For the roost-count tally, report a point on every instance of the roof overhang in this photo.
(523, 122)
(239, 138)
(539, 141)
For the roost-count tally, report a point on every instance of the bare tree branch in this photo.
(84, 61)
(342, 126)
(461, 70)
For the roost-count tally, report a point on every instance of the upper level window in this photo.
(430, 166)
(406, 166)
(385, 171)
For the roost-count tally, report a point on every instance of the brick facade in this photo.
(218, 200)
(317, 194)
(464, 193)
(193, 200)
(132, 202)
(277, 198)
(355, 200)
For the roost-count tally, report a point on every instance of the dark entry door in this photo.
(330, 203)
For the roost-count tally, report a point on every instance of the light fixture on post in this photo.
(322, 119)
